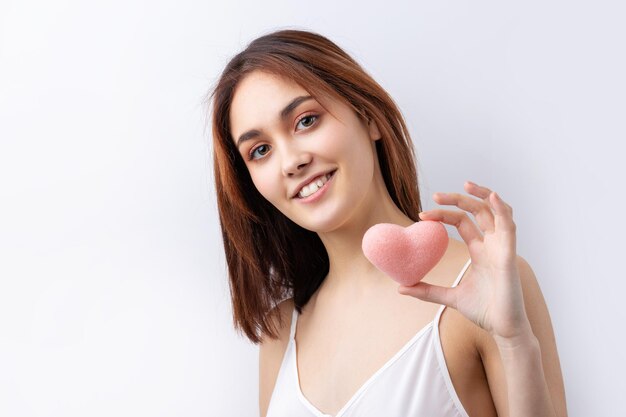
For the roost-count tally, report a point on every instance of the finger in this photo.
(477, 190)
(485, 193)
(504, 220)
(479, 208)
(459, 219)
(498, 205)
(430, 293)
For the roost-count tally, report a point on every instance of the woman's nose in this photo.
(294, 160)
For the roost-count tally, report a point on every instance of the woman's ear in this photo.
(373, 130)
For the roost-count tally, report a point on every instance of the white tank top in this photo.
(414, 383)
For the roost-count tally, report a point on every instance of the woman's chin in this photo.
(321, 224)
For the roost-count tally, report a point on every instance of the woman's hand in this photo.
(490, 293)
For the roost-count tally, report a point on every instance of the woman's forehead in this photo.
(259, 99)
(264, 86)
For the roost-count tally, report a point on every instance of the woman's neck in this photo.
(350, 271)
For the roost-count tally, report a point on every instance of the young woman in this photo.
(309, 153)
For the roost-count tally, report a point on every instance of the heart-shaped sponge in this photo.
(406, 254)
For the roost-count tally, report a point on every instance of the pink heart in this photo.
(406, 254)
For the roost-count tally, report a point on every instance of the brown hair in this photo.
(268, 255)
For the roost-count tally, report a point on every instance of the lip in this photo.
(318, 194)
(308, 180)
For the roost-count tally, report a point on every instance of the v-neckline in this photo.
(368, 381)
(372, 378)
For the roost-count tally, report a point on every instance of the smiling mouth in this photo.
(328, 177)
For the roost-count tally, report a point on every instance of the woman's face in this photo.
(287, 138)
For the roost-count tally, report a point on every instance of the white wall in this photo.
(113, 293)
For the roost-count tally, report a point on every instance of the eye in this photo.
(253, 151)
(307, 121)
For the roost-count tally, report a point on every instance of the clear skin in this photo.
(288, 152)
(490, 294)
(317, 137)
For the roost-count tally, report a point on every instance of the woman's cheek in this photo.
(266, 184)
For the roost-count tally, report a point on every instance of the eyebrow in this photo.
(250, 134)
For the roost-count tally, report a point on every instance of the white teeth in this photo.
(311, 188)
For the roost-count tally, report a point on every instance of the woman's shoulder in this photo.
(280, 316)
(452, 269)
(451, 264)
(272, 350)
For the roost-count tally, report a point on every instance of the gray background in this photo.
(113, 292)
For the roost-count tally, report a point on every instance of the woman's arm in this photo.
(499, 293)
(526, 374)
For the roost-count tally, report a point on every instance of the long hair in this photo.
(269, 257)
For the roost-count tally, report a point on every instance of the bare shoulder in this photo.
(455, 328)
(539, 318)
(535, 305)
(450, 265)
(466, 340)
(271, 352)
